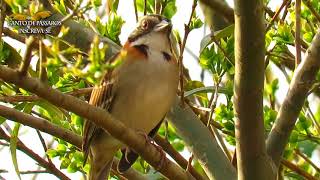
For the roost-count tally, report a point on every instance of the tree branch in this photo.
(220, 7)
(27, 56)
(301, 83)
(298, 31)
(252, 159)
(41, 125)
(298, 170)
(203, 145)
(21, 98)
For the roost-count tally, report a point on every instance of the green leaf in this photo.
(2, 120)
(307, 147)
(226, 32)
(113, 27)
(178, 145)
(170, 10)
(78, 156)
(72, 168)
(100, 27)
(308, 36)
(23, 3)
(65, 162)
(59, 5)
(303, 123)
(293, 140)
(52, 153)
(149, 8)
(197, 84)
(4, 52)
(13, 148)
(195, 23)
(96, 3)
(7, 90)
(209, 89)
(52, 112)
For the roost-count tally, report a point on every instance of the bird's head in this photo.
(153, 32)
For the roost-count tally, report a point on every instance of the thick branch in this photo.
(301, 83)
(100, 117)
(203, 145)
(40, 124)
(252, 159)
(220, 7)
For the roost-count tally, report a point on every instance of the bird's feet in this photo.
(149, 140)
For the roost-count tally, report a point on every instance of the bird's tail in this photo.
(101, 162)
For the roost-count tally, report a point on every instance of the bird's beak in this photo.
(163, 26)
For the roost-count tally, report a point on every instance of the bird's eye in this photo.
(145, 24)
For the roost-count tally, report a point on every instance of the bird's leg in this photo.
(162, 154)
(149, 140)
(125, 151)
(189, 163)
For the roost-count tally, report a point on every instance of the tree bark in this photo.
(300, 85)
(201, 142)
(252, 159)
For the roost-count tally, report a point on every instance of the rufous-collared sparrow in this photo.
(139, 92)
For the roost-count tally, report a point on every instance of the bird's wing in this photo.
(101, 96)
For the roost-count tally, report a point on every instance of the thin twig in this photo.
(176, 156)
(44, 146)
(157, 7)
(27, 56)
(43, 61)
(145, 7)
(135, 9)
(221, 142)
(213, 130)
(298, 31)
(2, 16)
(275, 16)
(74, 11)
(297, 169)
(14, 35)
(182, 46)
(285, 12)
(298, 152)
(34, 172)
(313, 118)
(221, 48)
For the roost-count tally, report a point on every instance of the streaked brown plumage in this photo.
(139, 92)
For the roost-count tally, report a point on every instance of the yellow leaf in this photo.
(18, 17)
(40, 15)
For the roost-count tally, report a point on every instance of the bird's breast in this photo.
(144, 93)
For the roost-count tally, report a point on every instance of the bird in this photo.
(138, 92)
